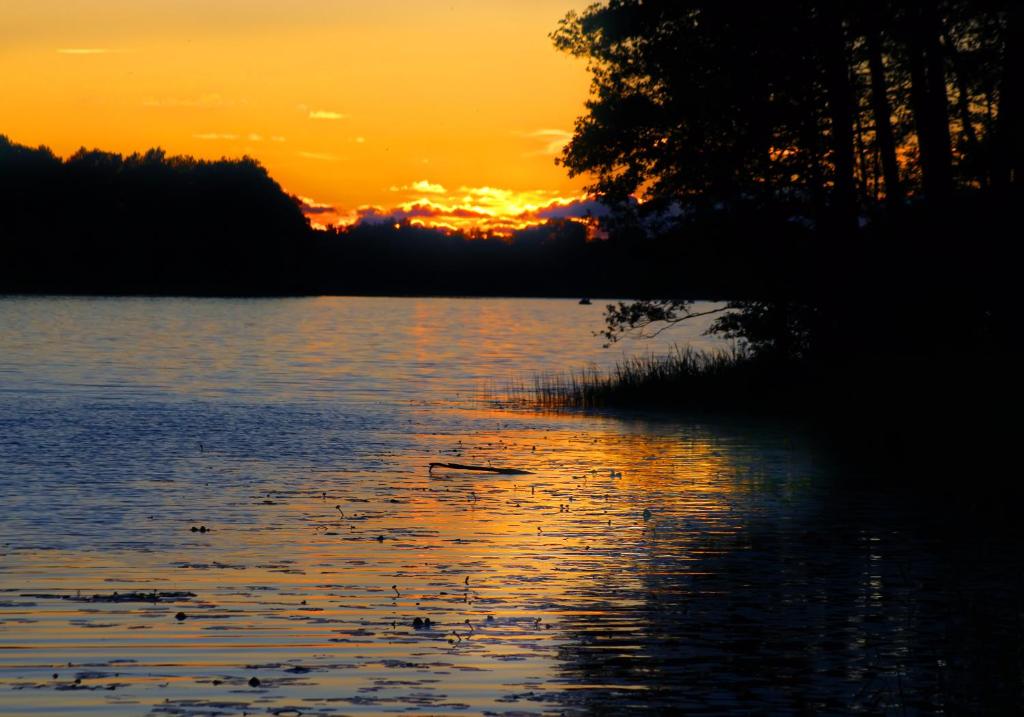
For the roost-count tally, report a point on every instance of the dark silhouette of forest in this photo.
(877, 143)
(552, 259)
(872, 151)
(99, 222)
(147, 223)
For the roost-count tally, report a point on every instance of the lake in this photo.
(222, 506)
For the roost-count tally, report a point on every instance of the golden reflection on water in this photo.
(293, 583)
(299, 432)
(663, 565)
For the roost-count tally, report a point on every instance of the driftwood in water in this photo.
(459, 466)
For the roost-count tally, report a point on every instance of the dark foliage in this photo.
(145, 223)
(887, 131)
(150, 224)
(553, 259)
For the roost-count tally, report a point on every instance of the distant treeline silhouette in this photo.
(100, 222)
(149, 223)
(552, 259)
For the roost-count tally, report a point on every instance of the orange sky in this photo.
(448, 111)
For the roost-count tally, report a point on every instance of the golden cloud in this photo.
(216, 136)
(87, 51)
(554, 141)
(493, 210)
(311, 206)
(428, 187)
(321, 156)
(326, 115)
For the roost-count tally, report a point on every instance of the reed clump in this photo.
(684, 377)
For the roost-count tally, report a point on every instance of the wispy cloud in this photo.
(87, 51)
(232, 136)
(575, 209)
(422, 186)
(311, 206)
(208, 101)
(554, 141)
(326, 115)
(428, 187)
(321, 156)
(216, 135)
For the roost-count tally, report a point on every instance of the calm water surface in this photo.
(702, 566)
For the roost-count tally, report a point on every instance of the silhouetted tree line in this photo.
(552, 259)
(405, 258)
(100, 222)
(885, 137)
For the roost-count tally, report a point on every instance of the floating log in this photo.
(461, 467)
(163, 596)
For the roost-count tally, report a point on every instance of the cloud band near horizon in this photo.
(489, 209)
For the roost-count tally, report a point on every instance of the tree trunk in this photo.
(928, 102)
(963, 103)
(1009, 129)
(937, 99)
(882, 111)
(839, 94)
(863, 171)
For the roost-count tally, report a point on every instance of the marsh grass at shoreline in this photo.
(685, 377)
(882, 415)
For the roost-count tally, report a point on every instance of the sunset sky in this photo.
(450, 112)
